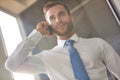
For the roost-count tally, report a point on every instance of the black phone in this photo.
(50, 30)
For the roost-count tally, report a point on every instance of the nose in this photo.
(58, 20)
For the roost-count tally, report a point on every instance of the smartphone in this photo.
(50, 30)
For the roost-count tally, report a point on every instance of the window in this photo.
(115, 8)
(12, 38)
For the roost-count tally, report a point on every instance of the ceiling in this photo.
(15, 6)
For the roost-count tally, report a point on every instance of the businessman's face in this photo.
(61, 22)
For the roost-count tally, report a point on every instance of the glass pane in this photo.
(12, 38)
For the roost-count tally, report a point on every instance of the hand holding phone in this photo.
(50, 29)
(44, 28)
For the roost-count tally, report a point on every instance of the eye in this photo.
(52, 18)
(61, 14)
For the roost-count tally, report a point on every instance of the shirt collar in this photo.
(62, 42)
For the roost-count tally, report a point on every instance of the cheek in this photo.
(47, 20)
(52, 23)
(53, 26)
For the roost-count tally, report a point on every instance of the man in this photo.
(96, 54)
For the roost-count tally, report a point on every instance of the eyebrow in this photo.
(61, 12)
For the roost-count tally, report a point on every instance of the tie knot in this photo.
(69, 42)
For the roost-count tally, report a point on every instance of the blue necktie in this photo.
(77, 64)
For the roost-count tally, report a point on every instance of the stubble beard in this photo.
(68, 30)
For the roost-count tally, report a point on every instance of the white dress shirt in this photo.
(96, 54)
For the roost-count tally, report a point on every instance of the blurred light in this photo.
(12, 38)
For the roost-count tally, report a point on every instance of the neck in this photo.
(66, 37)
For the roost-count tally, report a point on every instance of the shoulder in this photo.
(91, 39)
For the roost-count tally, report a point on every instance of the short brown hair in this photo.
(51, 4)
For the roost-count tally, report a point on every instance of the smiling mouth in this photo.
(60, 26)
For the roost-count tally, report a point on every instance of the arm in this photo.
(111, 59)
(19, 61)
